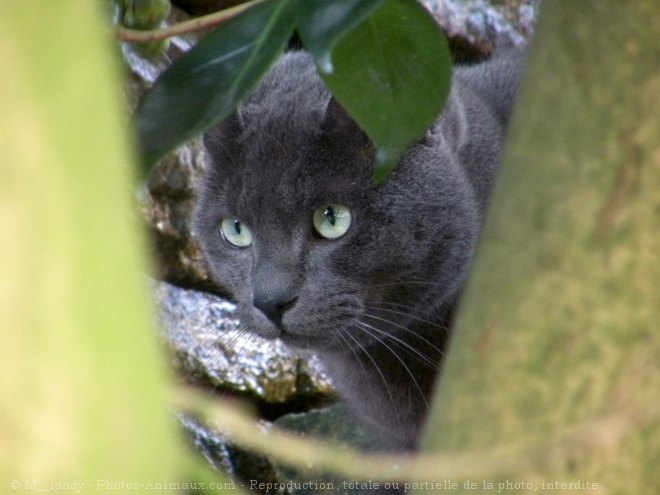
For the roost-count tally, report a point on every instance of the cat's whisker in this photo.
(409, 349)
(213, 332)
(214, 329)
(410, 331)
(242, 339)
(365, 327)
(354, 352)
(380, 372)
(240, 334)
(409, 315)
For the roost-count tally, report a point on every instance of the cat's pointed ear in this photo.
(222, 141)
(337, 122)
(339, 127)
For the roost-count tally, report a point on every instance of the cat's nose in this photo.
(273, 307)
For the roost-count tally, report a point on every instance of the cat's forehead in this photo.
(294, 181)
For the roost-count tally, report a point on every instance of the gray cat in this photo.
(366, 276)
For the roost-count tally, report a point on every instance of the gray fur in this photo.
(375, 304)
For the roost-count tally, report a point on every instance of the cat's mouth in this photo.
(305, 333)
(286, 334)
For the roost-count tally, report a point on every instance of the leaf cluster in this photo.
(386, 61)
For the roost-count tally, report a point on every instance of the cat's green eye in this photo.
(332, 221)
(235, 233)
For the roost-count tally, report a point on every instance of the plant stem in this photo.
(604, 432)
(191, 26)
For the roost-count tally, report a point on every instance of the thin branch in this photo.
(293, 449)
(191, 26)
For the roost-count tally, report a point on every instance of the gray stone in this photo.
(335, 425)
(168, 209)
(209, 348)
(238, 464)
(212, 445)
(486, 24)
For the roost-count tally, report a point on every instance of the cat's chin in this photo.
(305, 343)
(301, 340)
(291, 339)
(295, 336)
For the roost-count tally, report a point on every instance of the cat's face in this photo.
(311, 250)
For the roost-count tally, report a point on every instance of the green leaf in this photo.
(323, 22)
(207, 83)
(392, 74)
